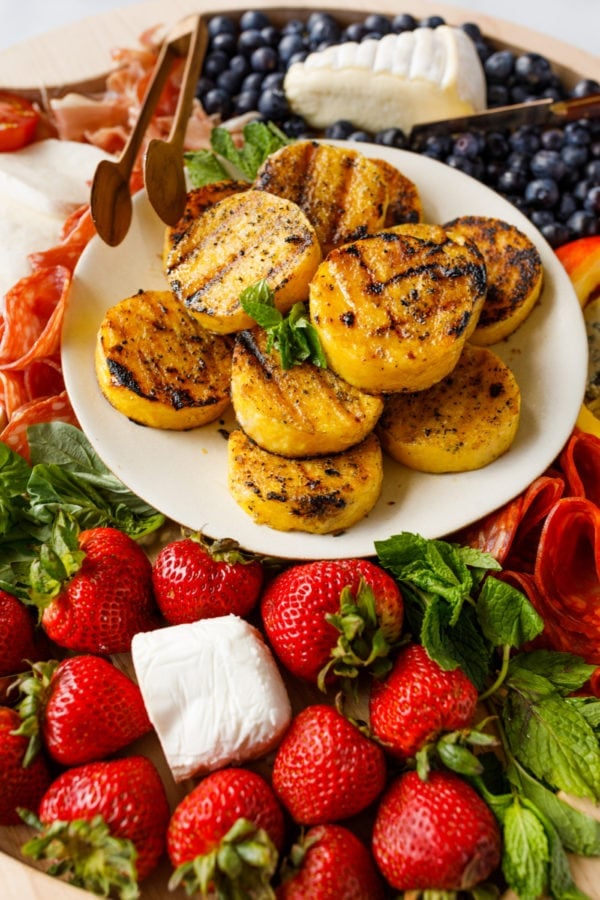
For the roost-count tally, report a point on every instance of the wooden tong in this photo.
(164, 176)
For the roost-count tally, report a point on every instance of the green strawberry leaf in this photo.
(506, 615)
(57, 561)
(548, 736)
(294, 336)
(526, 852)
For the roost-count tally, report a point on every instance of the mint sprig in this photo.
(227, 160)
(294, 335)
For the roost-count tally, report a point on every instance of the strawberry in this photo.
(226, 834)
(330, 863)
(196, 579)
(417, 701)
(20, 785)
(325, 769)
(332, 618)
(19, 639)
(94, 589)
(434, 835)
(83, 708)
(104, 823)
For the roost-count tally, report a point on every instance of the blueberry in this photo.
(355, 32)
(592, 171)
(577, 133)
(468, 145)
(404, 22)
(254, 19)
(217, 101)
(264, 59)
(273, 104)
(215, 63)
(293, 26)
(391, 137)
(378, 23)
(574, 155)
(552, 138)
(253, 81)
(295, 127)
(556, 233)
(322, 28)
(229, 81)
(270, 35)
(499, 65)
(583, 223)
(297, 57)
(359, 136)
(591, 202)
(473, 30)
(225, 41)
(584, 87)
(541, 217)
(497, 95)
(246, 101)
(290, 44)
(533, 69)
(273, 80)
(250, 40)
(542, 193)
(340, 130)
(548, 164)
(221, 25)
(525, 140)
(511, 181)
(431, 22)
(437, 146)
(496, 145)
(473, 167)
(204, 86)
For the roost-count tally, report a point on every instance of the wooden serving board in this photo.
(77, 57)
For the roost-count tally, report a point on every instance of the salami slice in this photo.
(580, 462)
(567, 577)
(34, 311)
(46, 409)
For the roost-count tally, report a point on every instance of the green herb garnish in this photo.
(294, 335)
(226, 161)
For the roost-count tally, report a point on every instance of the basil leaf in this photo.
(14, 475)
(506, 615)
(549, 737)
(526, 852)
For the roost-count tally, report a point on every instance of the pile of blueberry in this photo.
(552, 174)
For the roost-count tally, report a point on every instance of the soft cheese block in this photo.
(212, 691)
(398, 80)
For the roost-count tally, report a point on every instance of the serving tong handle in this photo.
(110, 202)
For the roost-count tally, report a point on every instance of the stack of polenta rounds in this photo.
(404, 311)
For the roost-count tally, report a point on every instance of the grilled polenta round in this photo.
(305, 410)
(463, 422)
(198, 200)
(320, 495)
(514, 271)
(393, 310)
(157, 365)
(404, 200)
(236, 242)
(343, 193)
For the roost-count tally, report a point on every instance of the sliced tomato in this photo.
(18, 121)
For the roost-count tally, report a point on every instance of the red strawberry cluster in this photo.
(284, 827)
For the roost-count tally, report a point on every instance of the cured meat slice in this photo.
(567, 577)
(580, 462)
(33, 316)
(46, 409)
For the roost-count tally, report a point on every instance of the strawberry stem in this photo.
(57, 562)
(86, 853)
(240, 866)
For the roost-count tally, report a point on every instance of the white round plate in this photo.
(184, 474)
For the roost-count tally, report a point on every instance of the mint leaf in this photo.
(549, 737)
(260, 139)
(506, 615)
(457, 644)
(579, 833)
(203, 167)
(526, 852)
(293, 335)
(565, 671)
(589, 708)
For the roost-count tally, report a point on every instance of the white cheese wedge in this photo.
(213, 693)
(395, 81)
